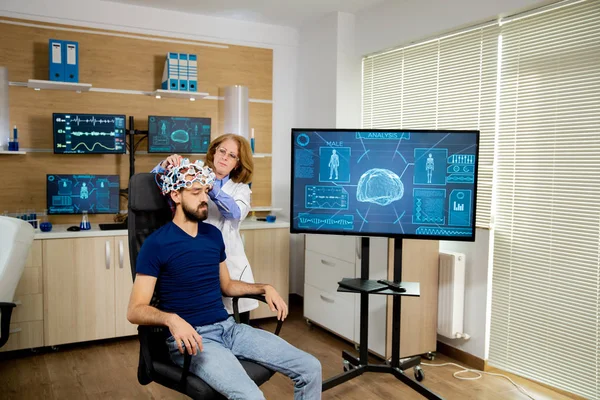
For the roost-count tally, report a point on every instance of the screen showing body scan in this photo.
(73, 194)
(89, 133)
(417, 184)
(178, 135)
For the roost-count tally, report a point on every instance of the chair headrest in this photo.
(144, 193)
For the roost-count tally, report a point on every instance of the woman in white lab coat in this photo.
(230, 158)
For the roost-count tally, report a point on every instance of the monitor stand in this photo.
(360, 365)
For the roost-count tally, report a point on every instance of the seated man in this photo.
(188, 257)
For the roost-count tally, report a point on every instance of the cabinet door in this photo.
(79, 287)
(268, 251)
(123, 285)
(418, 322)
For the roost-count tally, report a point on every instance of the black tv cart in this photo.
(360, 365)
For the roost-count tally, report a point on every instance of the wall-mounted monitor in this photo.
(185, 135)
(89, 133)
(418, 184)
(73, 194)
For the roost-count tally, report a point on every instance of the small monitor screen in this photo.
(73, 194)
(89, 133)
(178, 135)
(409, 184)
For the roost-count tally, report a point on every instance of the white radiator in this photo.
(451, 296)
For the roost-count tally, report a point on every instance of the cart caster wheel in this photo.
(356, 347)
(430, 356)
(54, 348)
(347, 366)
(419, 374)
(308, 322)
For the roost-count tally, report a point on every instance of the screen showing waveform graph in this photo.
(89, 133)
(73, 194)
(417, 184)
(186, 135)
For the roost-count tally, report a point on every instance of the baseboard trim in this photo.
(462, 356)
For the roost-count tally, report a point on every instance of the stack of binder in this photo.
(180, 72)
(63, 60)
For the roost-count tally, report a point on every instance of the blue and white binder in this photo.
(56, 66)
(170, 79)
(183, 72)
(193, 73)
(71, 60)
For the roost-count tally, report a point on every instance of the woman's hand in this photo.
(172, 161)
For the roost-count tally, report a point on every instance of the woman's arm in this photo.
(233, 208)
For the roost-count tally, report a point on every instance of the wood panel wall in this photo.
(108, 60)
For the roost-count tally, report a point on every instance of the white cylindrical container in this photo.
(4, 118)
(236, 111)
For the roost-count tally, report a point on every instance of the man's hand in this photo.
(184, 332)
(172, 161)
(276, 303)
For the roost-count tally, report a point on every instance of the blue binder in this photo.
(71, 61)
(183, 72)
(56, 66)
(193, 73)
(170, 79)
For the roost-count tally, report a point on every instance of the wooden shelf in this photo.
(178, 94)
(265, 208)
(12, 152)
(54, 85)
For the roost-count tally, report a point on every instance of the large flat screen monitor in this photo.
(89, 133)
(73, 194)
(396, 183)
(185, 135)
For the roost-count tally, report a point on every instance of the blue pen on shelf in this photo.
(252, 141)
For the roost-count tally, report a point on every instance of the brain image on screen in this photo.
(379, 186)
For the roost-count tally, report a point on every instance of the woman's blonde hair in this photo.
(244, 168)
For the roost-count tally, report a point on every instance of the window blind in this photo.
(446, 83)
(546, 272)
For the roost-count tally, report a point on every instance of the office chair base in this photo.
(357, 369)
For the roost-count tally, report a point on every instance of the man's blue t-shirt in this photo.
(187, 269)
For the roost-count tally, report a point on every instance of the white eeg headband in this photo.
(175, 177)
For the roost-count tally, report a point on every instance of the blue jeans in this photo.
(219, 367)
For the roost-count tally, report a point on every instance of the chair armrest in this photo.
(259, 297)
(6, 311)
(144, 333)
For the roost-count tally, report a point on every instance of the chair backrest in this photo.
(16, 237)
(148, 210)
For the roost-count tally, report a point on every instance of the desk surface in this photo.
(413, 289)
(60, 231)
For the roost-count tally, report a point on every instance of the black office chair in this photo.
(148, 210)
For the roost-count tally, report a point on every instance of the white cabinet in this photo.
(330, 258)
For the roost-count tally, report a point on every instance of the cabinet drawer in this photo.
(25, 335)
(31, 281)
(340, 247)
(34, 259)
(332, 311)
(30, 307)
(324, 272)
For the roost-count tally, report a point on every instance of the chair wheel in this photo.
(419, 374)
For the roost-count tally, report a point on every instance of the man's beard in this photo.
(197, 215)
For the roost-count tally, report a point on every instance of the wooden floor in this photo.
(107, 370)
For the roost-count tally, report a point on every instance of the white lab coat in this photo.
(237, 263)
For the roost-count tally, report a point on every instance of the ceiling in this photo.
(292, 13)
